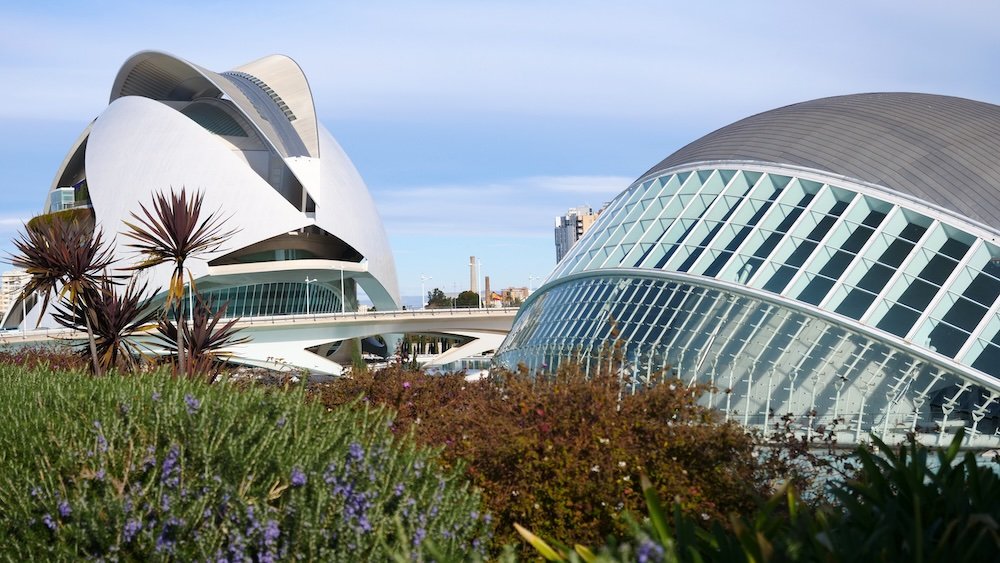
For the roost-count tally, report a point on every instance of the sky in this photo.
(476, 123)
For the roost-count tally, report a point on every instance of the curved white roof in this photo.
(249, 139)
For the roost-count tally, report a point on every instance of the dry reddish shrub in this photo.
(57, 358)
(562, 455)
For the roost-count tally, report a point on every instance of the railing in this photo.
(371, 315)
(14, 336)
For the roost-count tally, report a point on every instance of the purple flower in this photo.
(281, 422)
(406, 385)
(192, 403)
(100, 474)
(298, 477)
(35, 491)
(132, 527)
(64, 509)
(398, 491)
(356, 452)
(167, 541)
(49, 522)
(271, 532)
(170, 475)
(649, 552)
(156, 396)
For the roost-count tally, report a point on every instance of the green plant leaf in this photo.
(543, 549)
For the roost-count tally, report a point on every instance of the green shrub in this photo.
(563, 456)
(152, 467)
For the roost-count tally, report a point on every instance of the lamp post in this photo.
(531, 285)
(482, 288)
(423, 278)
(308, 281)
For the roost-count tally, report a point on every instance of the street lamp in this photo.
(423, 278)
(531, 285)
(482, 288)
(308, 281)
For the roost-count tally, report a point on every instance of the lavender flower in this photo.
(100, 474)
(132, 527)
(298, 478)
(649, 552)
(398, 491)
(356, 452)
(35, 492)
(155, 396)
(418, 536)
(166, 542)
(192, 403)
(406, 385)
(170, 471)
(281, 422)
(49, 522)
(64, 509)
(271, 532)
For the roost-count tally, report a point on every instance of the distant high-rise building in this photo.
(11, 284)
(571, 226)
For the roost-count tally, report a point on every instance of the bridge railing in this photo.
(373, 315)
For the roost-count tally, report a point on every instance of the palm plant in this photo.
(171, 233)
(203, 336)
(67, 256)
(114, 317)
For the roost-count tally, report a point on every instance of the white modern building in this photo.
(308, 236)
(832, 265)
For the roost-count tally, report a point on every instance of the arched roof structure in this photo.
(940, 149)
(829, 264)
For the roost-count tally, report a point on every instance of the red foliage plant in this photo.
(562, 455)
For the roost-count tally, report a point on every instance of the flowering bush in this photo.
(149, 467)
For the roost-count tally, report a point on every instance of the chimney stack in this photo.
(473, 275)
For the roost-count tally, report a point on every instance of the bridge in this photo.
(282, 341)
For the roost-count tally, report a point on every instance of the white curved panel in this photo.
(348, 211)
(287, 79)
(139, 147)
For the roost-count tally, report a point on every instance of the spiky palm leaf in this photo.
(64, 253)
(67, 256)
(115, 318)
(204, 339)
(173, 232)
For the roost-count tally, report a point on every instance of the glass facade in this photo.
(889, 281)
(273, 299)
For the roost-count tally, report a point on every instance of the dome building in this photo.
(833, 265)
(308, 235)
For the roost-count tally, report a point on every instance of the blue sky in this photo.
(476, 123)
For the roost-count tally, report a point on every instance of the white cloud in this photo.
(649, 60)
(518, 208)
